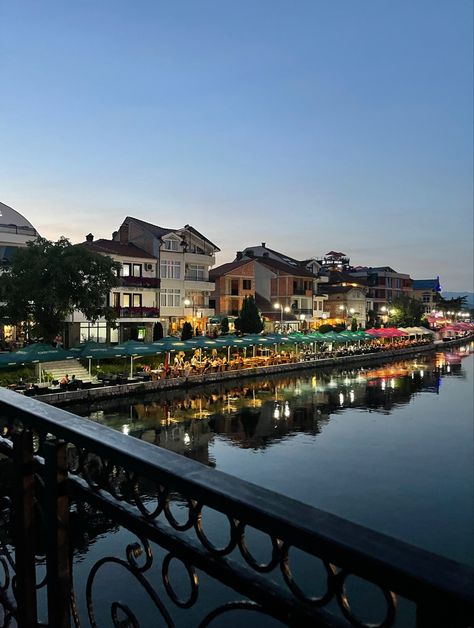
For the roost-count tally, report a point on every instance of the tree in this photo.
(249, 318)
(323, 329)
(47, 281)
(187, 331)
(407, 312)
(225, 325)
(157, 331)
(354, 324)
(456, 304)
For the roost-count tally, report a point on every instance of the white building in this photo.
(184, 257)
(15, 232)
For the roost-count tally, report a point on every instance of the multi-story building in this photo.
(427, 291)
(282, 292)
(347, 298)
(384, 285)
(296, 266)
(184, 257)
(15, 232)
(135, 299)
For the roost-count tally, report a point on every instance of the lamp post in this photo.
(349, 311)
(190, 303)
(279, 306)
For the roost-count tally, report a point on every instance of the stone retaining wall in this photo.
(124, 390)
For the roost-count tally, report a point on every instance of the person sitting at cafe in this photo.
(65, 379)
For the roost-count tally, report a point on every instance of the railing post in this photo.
(58, 561)
(24, 532)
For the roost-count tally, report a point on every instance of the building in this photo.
(317, 315)
(384, 286)
(346, 298)
(427, 291)
(15, 232)
(184, 257)
(283, 292)
(334, 260)
(135, 300)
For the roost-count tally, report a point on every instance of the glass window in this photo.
(247, 284)
(195, 272)
(96, 332)
(137, 270)
(127, 298)
(170, 269)
(137, 300)
(126, 270)
(115, 299)
(170, 245)
(170, 298)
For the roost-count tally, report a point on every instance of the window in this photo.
(126, 270)
(247, 284)
(399, 283)
(136, 300)
(170, 298)
(195, 272)
(127, 300)
(388, 282)
(96, 332)
(137, 270)
(426, 298)
(170, 269)
(115, 299)
(171, 245)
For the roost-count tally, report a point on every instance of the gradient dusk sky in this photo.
(311, 125)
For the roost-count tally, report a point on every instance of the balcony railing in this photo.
(137, 312)
(141, 282)
(61, 471)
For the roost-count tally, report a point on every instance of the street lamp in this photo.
(190, 303)
(282, 309)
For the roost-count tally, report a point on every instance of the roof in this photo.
(336, 288)
(111, 247)
(338, 277)
(223, 269)
(298, 271)
(426, 284)
(285, 258)
(335, 254)
(159, 232)
(10, 217)
(199, 235)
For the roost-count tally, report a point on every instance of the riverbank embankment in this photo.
(62, 398)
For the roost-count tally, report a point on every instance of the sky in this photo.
(312, 125)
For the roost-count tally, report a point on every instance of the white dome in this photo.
(10, 217)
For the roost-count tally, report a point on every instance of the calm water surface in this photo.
(388, 447)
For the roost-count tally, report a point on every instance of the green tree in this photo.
(225, 325)
(354, 324)
(157, 331)
(249, 318)
(47, 281)
(407, 312)
(187, 331)
(323, 329)
(456, 304)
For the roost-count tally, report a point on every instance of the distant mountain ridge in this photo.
(454, 295)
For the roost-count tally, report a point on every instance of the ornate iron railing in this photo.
(62, 469)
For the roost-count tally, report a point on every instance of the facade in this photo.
(427, 291)
(135, 300)
(271, 283)
(346, 299)
(15, 232)
(309, 306)
(384, 285)
(183, 257)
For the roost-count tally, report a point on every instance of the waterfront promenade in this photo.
(389, 352)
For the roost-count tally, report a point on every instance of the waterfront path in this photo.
(60, 398)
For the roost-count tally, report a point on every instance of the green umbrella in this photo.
(134, 349)
(40, 352)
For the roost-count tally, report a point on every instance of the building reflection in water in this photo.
(254, 414)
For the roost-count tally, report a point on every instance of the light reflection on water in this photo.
(389, 447)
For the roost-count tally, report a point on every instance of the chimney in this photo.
(239, 255)
(89, 238)
(123, 233)
(263, 244)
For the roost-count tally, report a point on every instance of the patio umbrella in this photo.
(134, 349)
(37, 353)
(95, 350)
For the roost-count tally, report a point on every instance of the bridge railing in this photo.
(62, 469)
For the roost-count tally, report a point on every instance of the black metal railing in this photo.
(63, 470)
(140, 282)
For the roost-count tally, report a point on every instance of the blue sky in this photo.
(310, 125)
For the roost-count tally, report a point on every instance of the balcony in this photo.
(198, 285)
(137, 312)
(140, 282)
(302, 310)
(67, 477)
